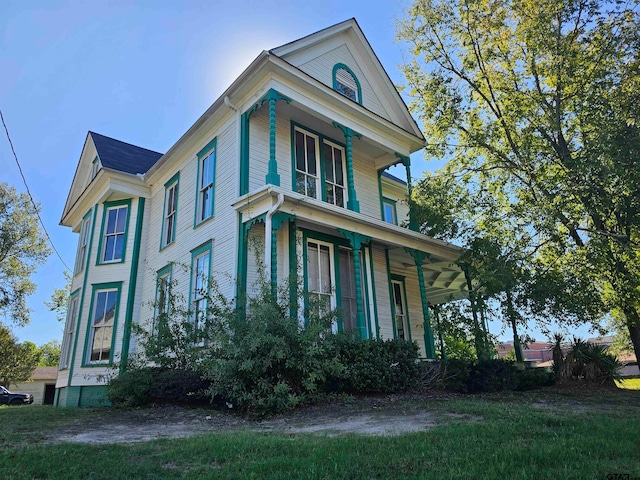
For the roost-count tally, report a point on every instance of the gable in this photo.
(344, 44)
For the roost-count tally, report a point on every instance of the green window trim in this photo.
(394, 211)
(106, 207)
(69, 334)
(83, 243)
(166, 271)
(320, 162)
(209, 151)
(96, 288)
(400, 279)
(196, 253)
(172, 183)
(339, 66)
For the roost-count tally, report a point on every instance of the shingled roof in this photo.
(122, 156)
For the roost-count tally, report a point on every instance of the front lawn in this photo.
(552, 433)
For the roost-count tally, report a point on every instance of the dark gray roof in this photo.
(122, 156)
(392, 177)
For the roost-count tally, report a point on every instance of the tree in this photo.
(17, 361)
(59, 302)
(22, 248)
(538, 101)
(49, 354)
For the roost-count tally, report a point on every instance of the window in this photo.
(113, 239)
(104, 310)
(95, 168)
(206, 182)
(200, 272)
(306, 156)
(69, 329)
(170, 211)
(320, 276)
(400, 314)
(348, 296)
(389, 211)
(346, 83)
(334, 169)
(163, 296)
(317, 159)
(83, 244)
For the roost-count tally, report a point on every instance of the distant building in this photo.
(42, 385)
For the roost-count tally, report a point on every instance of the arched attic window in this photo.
(346, 82)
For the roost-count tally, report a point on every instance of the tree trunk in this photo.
(633, 324)
(516, 338)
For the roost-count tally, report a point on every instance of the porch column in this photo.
(356, 240)
(406, 161)
(276, 222)
(352, 203)
(272, 97)
(429, 345)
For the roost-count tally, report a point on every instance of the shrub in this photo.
(586, 361)
(143, 386)
(532, 378)
(377, 366)
(491, 376)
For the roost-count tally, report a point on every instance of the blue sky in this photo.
(141, 72)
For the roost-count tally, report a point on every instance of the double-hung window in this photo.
(83, 244)
(114, 231)
(334, 169)
(102, 323)
(206, 182)
(389, 211)
(69, 330)
(170, 211)
(320, 275)
(200, 271)
(306, 153)
(163, 297)
(401, 318)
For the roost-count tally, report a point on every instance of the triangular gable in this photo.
(99, 152)
(344, 44)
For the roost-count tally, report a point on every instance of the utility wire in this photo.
(35, 206)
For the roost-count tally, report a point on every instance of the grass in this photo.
(629, 383)
(543, 434)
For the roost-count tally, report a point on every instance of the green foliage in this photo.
(152, 385)
(22, 248)
(533, 378)
(587, 361)
(377, 366)
(542, 133)
(17, 360)
(59, 302)
(49, 354)
(453, 325)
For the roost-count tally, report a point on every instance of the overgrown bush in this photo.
(377, 366)
(585, 361)
(148, 385)
(533, 378)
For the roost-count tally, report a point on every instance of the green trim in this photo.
(391, 301)
(400, 279)
(293, 270)
(338, 66)
(352, 203)
(367, 305)
(82, 261)
(429, 342)
(170, 183)
(107, 206)
(272, 97)
(96, 288)
(72, 295)
(380, 193)
(84, 291)
(197, 252)
(392, 202)
(245, 124)
(210, 148)
(356, 240)
(406, 161)
(241, 274)
(133, 280)
(373, 288)
(166, 270)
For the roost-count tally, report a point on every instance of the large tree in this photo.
(536, 100)
(22, 248)
(17, 360)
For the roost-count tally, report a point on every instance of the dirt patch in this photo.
(367, 416)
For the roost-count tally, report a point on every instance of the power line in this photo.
(35, 206)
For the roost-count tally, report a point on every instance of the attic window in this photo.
(346, 82)
(95, 166)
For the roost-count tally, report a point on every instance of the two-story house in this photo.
(293, 155)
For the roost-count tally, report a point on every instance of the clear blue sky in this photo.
(141, 72)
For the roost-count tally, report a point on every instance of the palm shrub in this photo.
(588, 361)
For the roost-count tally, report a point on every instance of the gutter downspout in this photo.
(268, 238)
(228, 103)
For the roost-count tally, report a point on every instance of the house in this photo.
(41, 385)
(292, 157)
